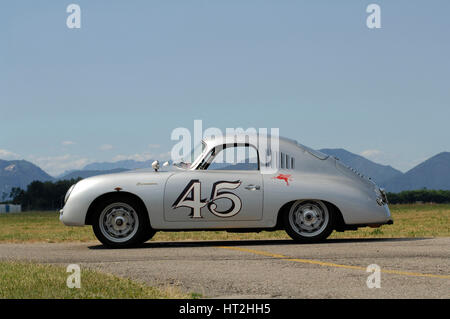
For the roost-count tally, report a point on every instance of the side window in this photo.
(233, 157)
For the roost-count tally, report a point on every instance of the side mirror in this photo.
(166, 164)
(155, 165)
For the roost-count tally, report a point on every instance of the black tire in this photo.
(299, 230)
(128, 211)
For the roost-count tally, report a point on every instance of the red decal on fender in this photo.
(284, 177)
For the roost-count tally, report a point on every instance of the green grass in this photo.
(40, 227)
(30, 280)
(417, 220)
(410, 220)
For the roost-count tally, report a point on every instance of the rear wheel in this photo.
(308, 221)
(121, 223)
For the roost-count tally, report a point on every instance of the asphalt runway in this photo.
(410, 268)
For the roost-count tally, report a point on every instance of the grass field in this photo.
(29, 280)
(418, 220)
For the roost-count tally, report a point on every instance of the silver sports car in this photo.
(292, 187)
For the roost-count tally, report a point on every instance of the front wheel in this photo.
(121, 223)
(308, 221)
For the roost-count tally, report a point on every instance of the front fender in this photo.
(148, 186)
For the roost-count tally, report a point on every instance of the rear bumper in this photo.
(382, 216)
(372, 225)
(389, 222)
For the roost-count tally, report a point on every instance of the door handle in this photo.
(252, 187)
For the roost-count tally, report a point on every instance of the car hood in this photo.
(127, 179)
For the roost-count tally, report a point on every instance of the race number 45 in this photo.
(191, 197)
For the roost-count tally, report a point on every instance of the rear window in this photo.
(315, 153)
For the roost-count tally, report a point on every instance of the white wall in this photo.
(10, 208)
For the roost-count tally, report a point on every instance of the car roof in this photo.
(253, 139)
(239, 138)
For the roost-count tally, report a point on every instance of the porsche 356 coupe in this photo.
(306, 193)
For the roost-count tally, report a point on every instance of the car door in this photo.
(214, 193)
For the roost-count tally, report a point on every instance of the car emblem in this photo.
(284, 177)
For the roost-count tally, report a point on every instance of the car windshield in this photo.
(186, 162)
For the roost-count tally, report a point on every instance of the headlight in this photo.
(68, 193)
(381, 196)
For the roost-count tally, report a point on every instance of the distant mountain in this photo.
(380, 174)
(86, 173)
(65, 173)
(127, 164)
(434, 173)
(19, 174)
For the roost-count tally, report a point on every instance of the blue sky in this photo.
(117, 87)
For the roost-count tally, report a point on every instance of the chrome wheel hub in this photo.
(119, 222)
(308, 218)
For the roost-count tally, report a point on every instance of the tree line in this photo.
(421, 195)
(50, 195)
(42, 195)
